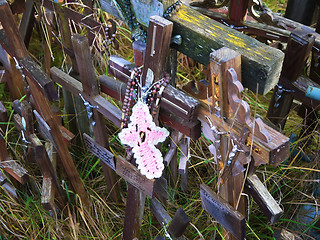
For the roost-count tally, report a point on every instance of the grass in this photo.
(292, 183)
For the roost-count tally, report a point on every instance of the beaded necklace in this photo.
(152, 95)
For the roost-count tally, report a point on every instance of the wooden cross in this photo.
(268, 145)
(139, 185)
(41, 88)
(42, 154)
(236, 136)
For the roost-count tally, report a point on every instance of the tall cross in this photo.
(239, 142)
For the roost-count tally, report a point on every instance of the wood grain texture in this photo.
(223, 212)
(131, 174)
(157, 49)
(200, 35)
(12, 32)
(62, 149)
(263, 198)
(220, 61)
(91, 88)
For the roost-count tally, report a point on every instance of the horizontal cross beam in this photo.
(201, 35)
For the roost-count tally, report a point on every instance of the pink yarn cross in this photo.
(142, 134)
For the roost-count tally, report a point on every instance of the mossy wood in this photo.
(201, 35)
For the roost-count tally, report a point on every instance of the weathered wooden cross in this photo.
(43, 154)
(268, 146)
(239, 142)
(139, 185)
(42, 89)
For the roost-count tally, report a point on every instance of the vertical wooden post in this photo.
(238, 10)
(157, 48)
(298, 50)
(27, 21)
(78, 122)
(221, 61)
(91, 87)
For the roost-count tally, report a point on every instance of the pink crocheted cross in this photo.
(142, 134)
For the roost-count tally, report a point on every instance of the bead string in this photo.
(172, 9)
(110, 37)
(132, 94)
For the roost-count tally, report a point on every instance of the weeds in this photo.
(293, 184)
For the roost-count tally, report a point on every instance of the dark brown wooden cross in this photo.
(89, 90)
(139, 185)
(41, 88)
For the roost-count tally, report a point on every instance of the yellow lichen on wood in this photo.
(202, 35)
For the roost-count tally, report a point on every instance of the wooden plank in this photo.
(132, 175)
(263, 198)
(161, 189)
(200, 35)
(44, 82)
(237, 10)
(221, 61)
(100, 152)
(172, 99)
(134, 213)
(7, 186)
(3, 149)
(298, 50)
(45, 129)
(224, 213)
(48, 190)
(157, 50)
(47, 194)
(179, 223)
(16, 171)
(15, 81)
(46, 167)
(177, 101)
(26, 23)
(104, 107)
(159, 212)
(14, 38)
